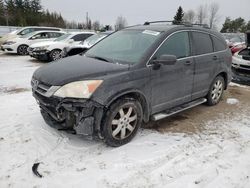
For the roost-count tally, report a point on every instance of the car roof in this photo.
(81, 32)
(41, 27)
(36, 32)
(174, 28)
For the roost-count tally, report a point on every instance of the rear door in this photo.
(206, 62)
(172, 84)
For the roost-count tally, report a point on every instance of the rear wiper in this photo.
(99, 58)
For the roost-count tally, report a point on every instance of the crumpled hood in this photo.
(75, 68)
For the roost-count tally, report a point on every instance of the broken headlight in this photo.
(79, 89)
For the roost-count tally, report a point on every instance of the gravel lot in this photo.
(201, 147)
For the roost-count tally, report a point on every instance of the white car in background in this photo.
(75, 49)
(20, 45)
(25, 31)
(51, 50)
(241, 63)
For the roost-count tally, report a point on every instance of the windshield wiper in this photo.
(99, 58)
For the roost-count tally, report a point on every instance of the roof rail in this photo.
(178, 23)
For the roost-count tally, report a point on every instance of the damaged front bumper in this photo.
(83, 116)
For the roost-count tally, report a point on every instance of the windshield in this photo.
(28, 35)
(63, 37)
(125, 47)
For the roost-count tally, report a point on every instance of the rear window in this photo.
(218, 44)
(81, 37)
(202, 43)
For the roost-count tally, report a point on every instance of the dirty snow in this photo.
(218, 156)
(232, 101)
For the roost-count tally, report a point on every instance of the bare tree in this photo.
(189, 16)
(120, 23)
(213, 14)
(96, 25)
(202, 14)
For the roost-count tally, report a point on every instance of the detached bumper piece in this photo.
(241, 73)
(78, 115)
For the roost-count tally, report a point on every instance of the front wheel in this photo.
(55, 55)
(22, 50)
(122, 122)
(216, 91)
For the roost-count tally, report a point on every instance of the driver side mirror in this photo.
(71, 41)
(165, 60)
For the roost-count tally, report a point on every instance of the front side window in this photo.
(202, 43)
(177, 44)
(124, 47)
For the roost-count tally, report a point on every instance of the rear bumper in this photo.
(82, 116)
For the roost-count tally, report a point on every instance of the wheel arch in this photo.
(134, 94)
(225, 76)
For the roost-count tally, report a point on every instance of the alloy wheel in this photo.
(217, 90)
(124, 123)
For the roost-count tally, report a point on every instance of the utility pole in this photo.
(87, 20)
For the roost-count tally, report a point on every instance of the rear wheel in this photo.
(55, 55)
(22, 50)
(216, 91)
(122, 122)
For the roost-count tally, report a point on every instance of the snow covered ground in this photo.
(217, 155)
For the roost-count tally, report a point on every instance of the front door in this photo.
(172, 84)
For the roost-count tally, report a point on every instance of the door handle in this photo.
(188, 62)
(215, 58)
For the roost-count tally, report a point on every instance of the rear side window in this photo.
(54, 35)
(177, 44)
(218, 44)
(81, 37)
(202, 43)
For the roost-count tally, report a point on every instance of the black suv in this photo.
(140, 73)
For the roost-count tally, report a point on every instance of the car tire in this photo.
(216, 91)
(22, 49)
(55, 55)
(122, 122)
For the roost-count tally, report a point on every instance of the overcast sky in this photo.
(138, 11)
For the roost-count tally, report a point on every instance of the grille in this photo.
(40, 87)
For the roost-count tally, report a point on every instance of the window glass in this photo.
(125, 46)
(26, 31)
(81, 37)
(54, 35)
(218, 45)
(177, 44)
(40, 36)
(202, 43)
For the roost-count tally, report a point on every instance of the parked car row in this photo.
(48, 43)
(51, 50)
(241, 63)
